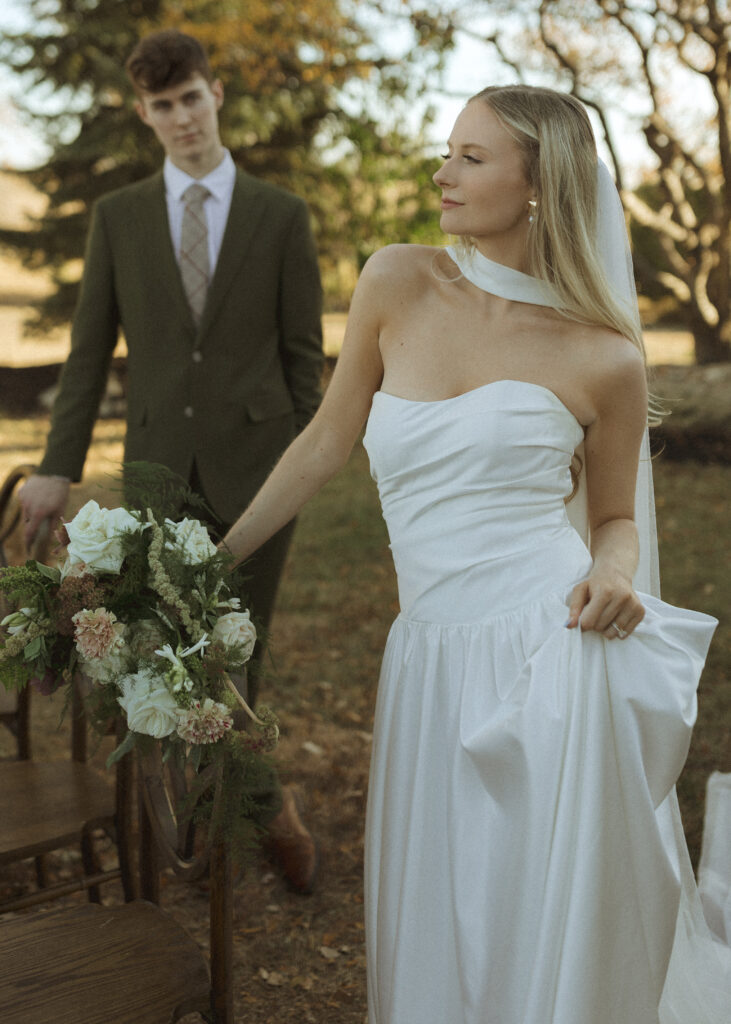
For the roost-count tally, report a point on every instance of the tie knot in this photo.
(195, 194)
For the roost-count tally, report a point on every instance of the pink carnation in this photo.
(204, 722)
(96, 633)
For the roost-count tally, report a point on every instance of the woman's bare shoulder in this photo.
(401, 263)
(615, 358)
(394, 279)
(615, 372)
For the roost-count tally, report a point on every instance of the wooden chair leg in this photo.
(41, 872)
(23, 724)
(123, 826)
(90, 862)
(149, 867)
(78, 726)
(222, 933)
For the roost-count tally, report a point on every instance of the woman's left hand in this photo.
(607, 604)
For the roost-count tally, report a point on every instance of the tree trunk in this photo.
(709, 344)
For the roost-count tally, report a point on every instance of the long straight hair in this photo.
(554, 132)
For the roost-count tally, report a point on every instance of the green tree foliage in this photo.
(310, 103)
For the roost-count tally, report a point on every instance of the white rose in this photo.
(235, 629)
(191, 540)
(95, 536)
(149, 705)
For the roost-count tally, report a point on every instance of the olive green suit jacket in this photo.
(229, 394)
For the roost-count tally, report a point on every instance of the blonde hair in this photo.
(555, 135)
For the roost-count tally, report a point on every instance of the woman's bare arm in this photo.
(612, 452)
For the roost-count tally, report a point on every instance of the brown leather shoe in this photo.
(292, 845)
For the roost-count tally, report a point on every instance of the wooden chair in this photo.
(55, 804)
(15, 707)
(50, 805)
(15, 715)
(130, 964)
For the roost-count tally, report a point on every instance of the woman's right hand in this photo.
(605, 603)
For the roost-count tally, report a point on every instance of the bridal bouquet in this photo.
(143, 606)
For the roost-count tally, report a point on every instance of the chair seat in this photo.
(44, 805)
(129, 964)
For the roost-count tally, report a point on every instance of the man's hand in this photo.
(42, 498)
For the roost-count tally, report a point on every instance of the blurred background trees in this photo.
(311, 103)
(666, 64)
(659, 70)
(330, 98)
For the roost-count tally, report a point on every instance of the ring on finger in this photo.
(621, 633)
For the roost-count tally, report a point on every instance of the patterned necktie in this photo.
(194, 265)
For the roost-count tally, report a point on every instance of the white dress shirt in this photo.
(220, 183)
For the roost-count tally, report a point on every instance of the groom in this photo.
(213, 277)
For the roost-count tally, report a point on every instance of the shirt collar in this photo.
(219, 181)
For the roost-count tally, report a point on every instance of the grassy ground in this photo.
(302, 959)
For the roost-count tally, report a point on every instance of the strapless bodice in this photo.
(473, 490)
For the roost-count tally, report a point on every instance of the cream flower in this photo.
(18, 622)
(177, 676)
(144, 636)
(191, 541)
(235, 629)
(103, 671)
(73, 569)
(149, 705)
(95, 536)
(97, 633)
(204, 722)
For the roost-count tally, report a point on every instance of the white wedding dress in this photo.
(523, 862)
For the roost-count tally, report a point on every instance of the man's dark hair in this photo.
(165, 59)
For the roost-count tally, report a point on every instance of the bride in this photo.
(524, 858)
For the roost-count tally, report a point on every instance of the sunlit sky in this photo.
(470, 68)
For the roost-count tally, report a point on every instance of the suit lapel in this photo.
(243, 217)
(156, 253)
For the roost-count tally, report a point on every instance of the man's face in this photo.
(185, 120)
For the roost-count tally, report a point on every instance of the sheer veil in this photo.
(617, 260)
(698, 985)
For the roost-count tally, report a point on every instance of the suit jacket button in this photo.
(188, 412)
(197, 356)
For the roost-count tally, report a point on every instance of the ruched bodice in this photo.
(521, 866)
(473, 491)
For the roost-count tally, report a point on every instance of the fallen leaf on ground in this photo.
(313, 748)
(273, 978)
